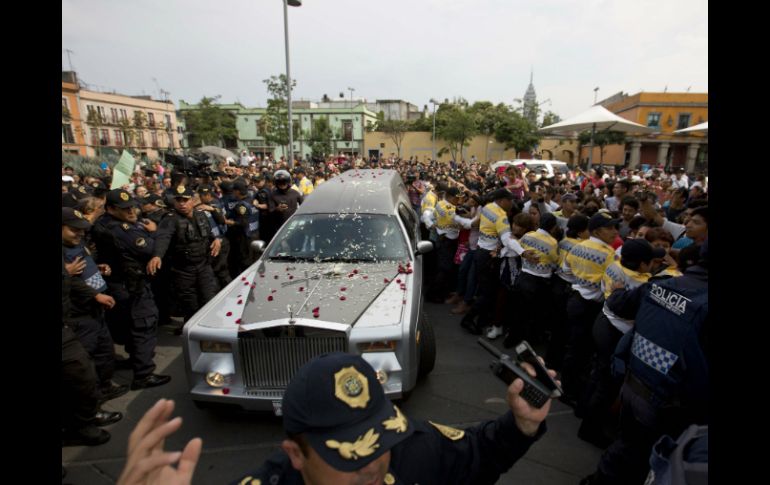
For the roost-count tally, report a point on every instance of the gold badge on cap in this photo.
(124, 196)
(78, 214)
(364, 446)
(351, 387)
(180, 189)
(451, 433)
(125, 226)
(389, 479)
(250, 481)
(141, 242)
(82, 189)
(397, 423)
(241, 210)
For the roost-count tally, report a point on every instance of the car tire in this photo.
(426, 348)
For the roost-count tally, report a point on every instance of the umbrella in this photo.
(704, 127)
(597, 117)
(218, 152)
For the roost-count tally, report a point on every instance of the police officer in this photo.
(88, 299)
(187, 237)
(665, 361)
(261, 200)
(127, 246)
(155, 210)
(304, 184)
(587, 261)
(448, 225)
(284, 200)
(214, 211)
(244, 228)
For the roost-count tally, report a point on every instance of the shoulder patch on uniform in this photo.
(453, 434)
(141, 242)
(242, 210)
(125, 226)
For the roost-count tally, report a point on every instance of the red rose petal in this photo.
(355, 271)
(315, 315)
(366, 277)
(253, 286)
(403, 302)
(243, 279)
(238, 321)
(273, 291)
(261, 275)
(398, 281)
(343, 298)
(386, 280)
(275, 277)
(225, 390)
(290, 276)
(343, 288)
(301, 288)
(269, 297)
(240, 302)
(316, 309)
(229, 314)
(246, 284)
(409, 271)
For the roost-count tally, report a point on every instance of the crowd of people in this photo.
(545, 257)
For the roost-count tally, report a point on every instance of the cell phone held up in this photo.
(535, 392)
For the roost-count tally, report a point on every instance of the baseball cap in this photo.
(603, 218)
(205, 189)
(153, 199)
(119, 198)
(74, 218)
(336, 402)
(640, 250)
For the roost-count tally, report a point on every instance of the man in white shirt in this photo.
(681, 181)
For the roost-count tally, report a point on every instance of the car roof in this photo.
(370, 191)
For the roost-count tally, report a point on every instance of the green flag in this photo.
(121, 174)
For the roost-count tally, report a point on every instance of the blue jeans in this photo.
(466, 279)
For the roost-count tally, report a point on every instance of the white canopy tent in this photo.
(704, 127)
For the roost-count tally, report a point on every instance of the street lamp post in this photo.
(434, 102)
(286, 3)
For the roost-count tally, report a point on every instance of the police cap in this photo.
(153, 199)
(74, 218)
(501, 194)
(641, 251)
(119, 198)
(336, 402)
(603, 218)
(183, 192)
(206, 190)
(240, 186)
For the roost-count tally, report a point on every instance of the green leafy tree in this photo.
(320, 137)
(396, 130)
(487, 118)
(129, 133)
(455, 125)
(514, 130)
(602, 139)
(277, 132)
(209, 124)
(96, 120)
(422, 124)
(549, 118)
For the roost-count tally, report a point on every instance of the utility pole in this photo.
(69, 59)
(596, 91)
(351, 96)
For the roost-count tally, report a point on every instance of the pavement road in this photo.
(461, 391)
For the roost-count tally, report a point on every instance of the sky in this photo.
(413, 50)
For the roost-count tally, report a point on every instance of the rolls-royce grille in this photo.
(270, 363)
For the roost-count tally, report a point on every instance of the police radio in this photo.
(535, 391)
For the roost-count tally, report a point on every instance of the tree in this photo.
(395, 129)
(423, 123)
(277, 132)
(209, 124)
(320, 137)
(602, 138)
(515, 131)
(455, 125)
(486, 117)
(549, 118)
(96, 120)
(129, 133)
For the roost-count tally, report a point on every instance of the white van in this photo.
(552, 166)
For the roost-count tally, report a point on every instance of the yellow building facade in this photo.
(72, 135)
(419, 145)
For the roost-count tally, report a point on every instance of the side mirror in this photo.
(258, 246)
(424, 247)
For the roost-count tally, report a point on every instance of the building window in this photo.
(295, 129)
(154, 138)
(653, 120)
(64, 104)
(102, 115)
(123, 115)
(118, 138)
(151, 119)
(66, 133)
(262, 127)
(90, 109)
(140, 137)
(105, 140)
(684, 121)
(347, 130)
(94, 137)
(168, 123)
(114, 113)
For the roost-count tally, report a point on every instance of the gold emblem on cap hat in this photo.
(453, 434)
(78, 214)
(351, 387)
(389, 479)
(180, 189)
(124, 196)
(397, 423)
(364, 446)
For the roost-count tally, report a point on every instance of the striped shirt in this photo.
(588, 261)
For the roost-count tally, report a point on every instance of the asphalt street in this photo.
(461, 391)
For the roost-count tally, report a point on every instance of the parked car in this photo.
(344, 273)
(552, 166)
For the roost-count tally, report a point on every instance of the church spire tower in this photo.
(530, 100)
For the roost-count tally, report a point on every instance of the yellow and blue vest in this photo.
(428, 202)
(493, 223)
(306, 186)
(547, 249)
(588, 261)
(445, 213)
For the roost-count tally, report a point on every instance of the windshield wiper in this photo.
(289, 257)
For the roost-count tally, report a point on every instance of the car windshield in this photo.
(340, 237)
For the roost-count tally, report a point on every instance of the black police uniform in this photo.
(219, 264)
(432, 455)
(266, 229)
(246, 229)
(187, 243)
(664, 358)
(127, 248)
(161, 281)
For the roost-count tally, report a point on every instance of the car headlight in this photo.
(220, 347)
(385, 346)
(215, 379)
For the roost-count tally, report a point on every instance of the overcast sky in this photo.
(391, 49)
